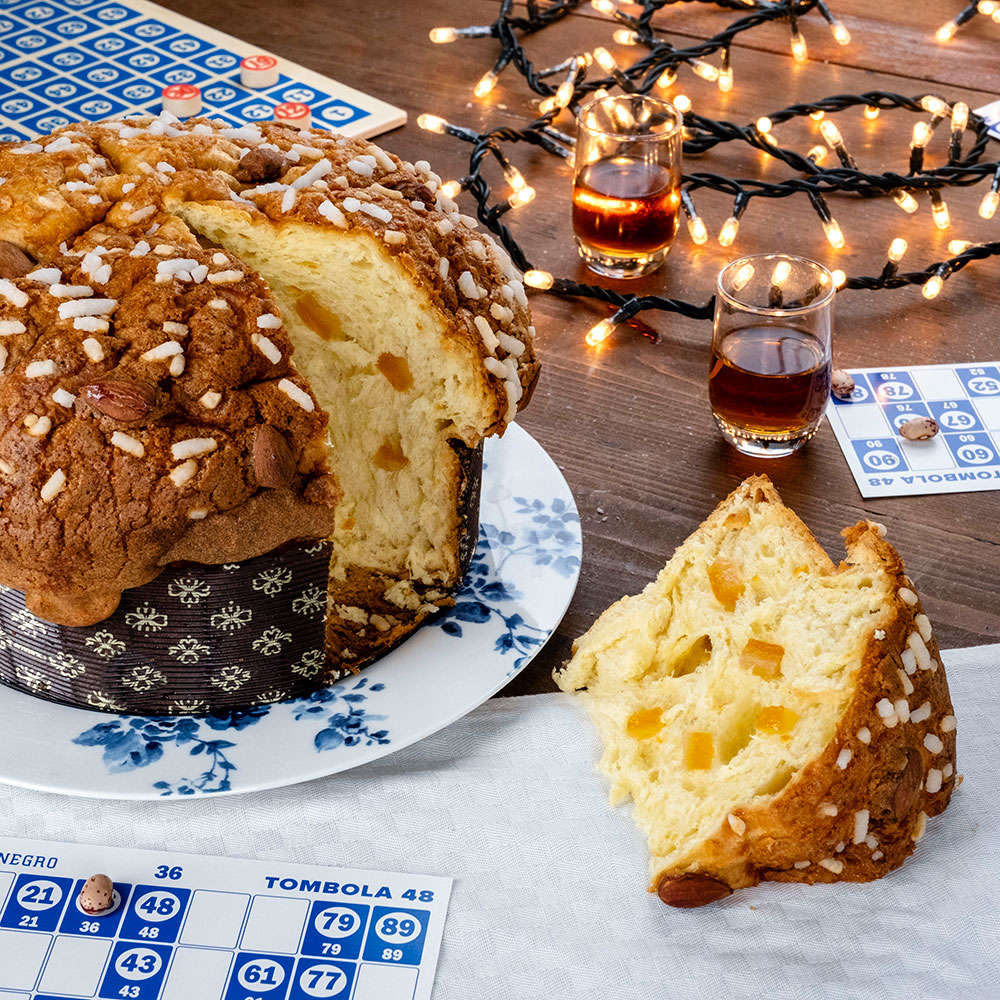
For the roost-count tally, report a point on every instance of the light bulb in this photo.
(933, 105)
(763, 125)
(905, 200)
(743, 276)
(625, 36)
(725, 80)
(959, 116)
(840, 33)
(564, 94)
(698, 230)
(817, 154)
(831, 134)
(932, 286)
(521, 197)
(603, 6)
(431, 123)
(922, 133)
(599, 333)
(682, 103)
(728, 232)
(666, 78)
(955, 247)
(995, 16)
(988, 206)
(486, 83)
(897, 248)
(839, 277)
(833, 233)
(986, 7)
(451, 189)
(538, 279)
(799, 51)
(871, 112)
(939, 212)
(705, 70)
(605, 60)
(547, 105)
(442, 35)
(781, 272)
(817, 116)
(945, 34)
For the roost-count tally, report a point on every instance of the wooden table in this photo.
(629, 424)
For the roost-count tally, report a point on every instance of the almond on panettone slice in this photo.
(771, 716)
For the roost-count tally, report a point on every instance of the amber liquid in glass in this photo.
(769, 379)
(625, 206)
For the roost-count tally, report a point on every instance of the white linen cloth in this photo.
(549, 898)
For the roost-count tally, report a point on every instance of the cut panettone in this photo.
(409, 329)
(770, 715)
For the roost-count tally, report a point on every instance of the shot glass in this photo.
(769, 380)
(626, 186)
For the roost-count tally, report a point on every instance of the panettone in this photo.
(770, 715)
(241, 286)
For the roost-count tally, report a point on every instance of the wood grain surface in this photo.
(629, 423)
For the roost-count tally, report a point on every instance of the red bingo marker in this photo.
(259, 71)
(293, 113)
(182, 99)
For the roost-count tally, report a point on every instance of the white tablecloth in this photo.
(549, 897)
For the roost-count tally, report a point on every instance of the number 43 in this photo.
(129, 991)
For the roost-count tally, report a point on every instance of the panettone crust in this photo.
(124, 510)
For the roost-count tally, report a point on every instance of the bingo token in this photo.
(182, 99)
(293, 113)
(259, 71)
(97, 895)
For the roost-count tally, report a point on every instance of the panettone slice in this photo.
(770, 715)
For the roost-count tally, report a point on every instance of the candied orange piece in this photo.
(396, 370)
(699, 749)
(390, 456)
(644, 723)
(726, 578)
(776, 720)
(324, 323)
(762, 658)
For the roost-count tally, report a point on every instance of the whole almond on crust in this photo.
(273, 464)
(691, 890)
(909, 783)
(260, 165)
(123, 399)
(97, 894)
(14, 262)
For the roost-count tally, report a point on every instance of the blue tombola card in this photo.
(184, 925)
(965, 454)
(70, 60)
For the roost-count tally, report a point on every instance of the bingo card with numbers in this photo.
(190, 927)
(65, 61)
(965, 454)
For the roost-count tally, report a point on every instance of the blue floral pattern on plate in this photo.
(549, 541)
(521, 579)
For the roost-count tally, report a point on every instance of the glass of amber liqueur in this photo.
(626, 185)
(769, 378)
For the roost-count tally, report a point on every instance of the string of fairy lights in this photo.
(988, 8)
(822, 170)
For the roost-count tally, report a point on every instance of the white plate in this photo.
(519, 585)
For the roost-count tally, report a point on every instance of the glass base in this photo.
(621, 265)
(760, 444)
